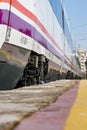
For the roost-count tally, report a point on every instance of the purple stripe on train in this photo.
(24, 27)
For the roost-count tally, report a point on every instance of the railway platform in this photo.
(44, 106)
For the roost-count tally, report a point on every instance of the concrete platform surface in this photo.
(16, 105)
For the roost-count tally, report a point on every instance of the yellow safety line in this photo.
(77, 119)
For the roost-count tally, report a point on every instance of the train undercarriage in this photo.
(37, 71)
(36, 68)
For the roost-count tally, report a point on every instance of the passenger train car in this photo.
(35, 43)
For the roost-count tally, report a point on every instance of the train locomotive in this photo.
(35, 43)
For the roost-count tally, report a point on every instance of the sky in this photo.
(77, 15)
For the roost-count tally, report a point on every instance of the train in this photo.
(36, 44)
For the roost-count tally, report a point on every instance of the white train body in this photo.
(33, 27)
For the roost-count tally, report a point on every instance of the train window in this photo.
(57, 8)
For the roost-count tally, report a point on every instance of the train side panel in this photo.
(50, 34)
(4, 19)
(32, 30)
